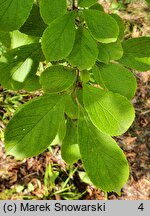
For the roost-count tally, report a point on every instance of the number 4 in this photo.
(141, 207)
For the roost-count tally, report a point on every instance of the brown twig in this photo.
(74, 5)
(76, 86)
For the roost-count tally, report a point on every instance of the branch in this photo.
(74, 5)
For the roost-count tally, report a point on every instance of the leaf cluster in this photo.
(75, 53)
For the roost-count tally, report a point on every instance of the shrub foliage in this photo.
(75, 53)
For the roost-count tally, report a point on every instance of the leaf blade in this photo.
(103, 160)
(70, 148)
(58, 38)
(86, 3)
(36, 122)
(84, 52)
(71, 108)
(14, 10)
(110, 51)
(57, 79)
(115, 78)
(136, 55)
(120, 24)
(34, 25)
(103, 33)
(110, 112)
(50, 9)
(18, 65)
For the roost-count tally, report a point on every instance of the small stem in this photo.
(106, 196)
(74, 5)
(78, 73)
(75, 86)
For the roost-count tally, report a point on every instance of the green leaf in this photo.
(58, 38)
(85, 76)
(34, 25)
(71, 108)
(110, 112)
(51, 9)
(84, 52)
(84, 177)
(102, 26)
(110, 51)
(34, 126)
(19, 39)
(13, 13)
(19, 66)
(50, 177)
(103, 160)
(62, 128)
(79, 95)
(5, 39)
(14, 39)
(57, 79)
(31, 83)
(60, 134)
(120, 24)
(136, 53)
(70, 148)
(148, 1)
(115, 78)
(103, 55)
(98, 7)
(137, 46)
(86, 3)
